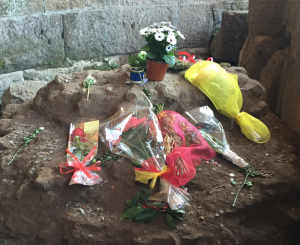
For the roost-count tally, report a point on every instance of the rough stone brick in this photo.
(30, 41)
(114, 31)
(196, 23)
(20, 7)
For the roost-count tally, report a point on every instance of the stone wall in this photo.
(39, 32)
(272, 54)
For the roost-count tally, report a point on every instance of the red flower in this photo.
(80, 133)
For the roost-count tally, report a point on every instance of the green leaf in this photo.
(135, 200)
(128, 202)
(136, 140)
(177, 211)
(176, 215)
(137, 163)
(152, 56)
(171, 53)
(147, 215)
(249, 183)
(169, 221)
(145, 194)
(169, 59)
(145, 47)
(132, 213)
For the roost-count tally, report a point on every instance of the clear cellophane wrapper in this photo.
(176, 197)
(212, 131)
(135, 133)
(83, 138)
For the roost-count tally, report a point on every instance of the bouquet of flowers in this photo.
(212, 131)
(82, 148)
(161, 41)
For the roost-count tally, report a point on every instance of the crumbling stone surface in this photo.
(271, 53)
(8, 79)
(230, 38)
(267, 35)
(39, 207)
(20, 92)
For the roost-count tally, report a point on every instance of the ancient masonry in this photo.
(37, 32)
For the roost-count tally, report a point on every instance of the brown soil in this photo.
(38, 206)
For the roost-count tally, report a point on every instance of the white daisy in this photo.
(166, 28)
(169, 48)
(144, 32)
(171, 39)
(159, 36)
(180, 35)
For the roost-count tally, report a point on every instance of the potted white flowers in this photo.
(161, 43)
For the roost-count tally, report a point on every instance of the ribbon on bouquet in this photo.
(79, 166)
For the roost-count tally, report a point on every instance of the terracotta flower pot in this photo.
(156, 71)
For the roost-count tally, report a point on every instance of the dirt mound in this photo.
(38, 206)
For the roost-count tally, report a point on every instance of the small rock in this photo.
(102, 218)
(214, 169)
(11, 142)
(217, 215)
(139, 239)
(276, 128)
(221, 211)
(91, 235)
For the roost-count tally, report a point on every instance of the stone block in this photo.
(8, 79)
(219, 7)
(20, 7)
(196, 23)
(30, 41)
(91, 34)
(52, 5)
(229, 40)
(20, 92)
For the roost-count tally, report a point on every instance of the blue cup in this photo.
(134, 74)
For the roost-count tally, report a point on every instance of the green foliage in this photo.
(249, 172)
(1, 64)
(157, 108)
(106, 157)
(89, 81)
(27, 140)
(144, 213)
(135, 139)
(138, 61)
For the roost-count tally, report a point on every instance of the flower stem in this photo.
(88, 93)
(240, 189)
(16, 154)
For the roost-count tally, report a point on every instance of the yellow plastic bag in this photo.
(223, 90)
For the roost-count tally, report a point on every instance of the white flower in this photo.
(165, 28)
(153, 30)
(171, 39)
(165, 23)
(159, 36)
(142, 55)
(144, 32)
(169, 48)
(180, 35)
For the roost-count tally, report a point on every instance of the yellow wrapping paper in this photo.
(144, 176)
(223, 90)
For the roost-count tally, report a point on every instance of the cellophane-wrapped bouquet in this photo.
(212, 131)
(135, 133)
(82, 148)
